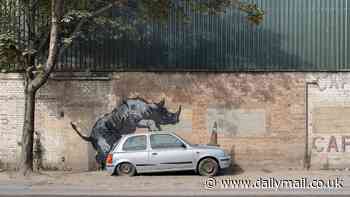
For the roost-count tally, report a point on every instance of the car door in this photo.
(169, 153)
(135, 150)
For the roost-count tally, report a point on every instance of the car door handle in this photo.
(154, 153)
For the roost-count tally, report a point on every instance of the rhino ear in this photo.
(162, 102)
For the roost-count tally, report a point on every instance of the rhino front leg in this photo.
(150, 124)
(158, 127)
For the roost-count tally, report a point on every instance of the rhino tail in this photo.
(88, 139)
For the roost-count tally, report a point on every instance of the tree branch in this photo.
(84, 20)
(29, 72)
(56, 51)
(30, 20)
(56, 16)
(35, 5)
(44, 39)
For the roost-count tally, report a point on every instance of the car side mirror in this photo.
(183, 146)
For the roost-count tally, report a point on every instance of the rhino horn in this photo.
(162, 102)
(178, 113)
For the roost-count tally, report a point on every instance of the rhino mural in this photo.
(130, 114)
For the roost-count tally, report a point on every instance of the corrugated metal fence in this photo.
(296, 35)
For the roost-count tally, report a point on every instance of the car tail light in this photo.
(109, 159)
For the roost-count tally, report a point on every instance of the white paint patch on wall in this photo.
(328, 120)
(237, 122)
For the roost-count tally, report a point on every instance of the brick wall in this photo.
(11, 117)
(260, 117)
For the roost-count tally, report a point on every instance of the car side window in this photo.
(165, 141)
(135, 143)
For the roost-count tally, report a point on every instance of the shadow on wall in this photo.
(209, 43)
(230, 44)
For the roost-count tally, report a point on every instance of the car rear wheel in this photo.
(126, 169)
(208, 167)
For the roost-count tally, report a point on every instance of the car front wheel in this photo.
(126, 169)
(208, 167)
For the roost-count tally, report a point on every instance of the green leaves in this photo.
(28, 52)
(255, 14)
(67, 41)
(9, 52)
(160, 10)
(73, 15)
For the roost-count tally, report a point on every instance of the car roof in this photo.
(148, 133)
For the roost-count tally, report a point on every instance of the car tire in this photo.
(208, 167)
(126, 169)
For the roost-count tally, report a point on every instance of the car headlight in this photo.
(221, 153)
(227, 153)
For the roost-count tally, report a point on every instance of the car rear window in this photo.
(115, 145)
(135, 143)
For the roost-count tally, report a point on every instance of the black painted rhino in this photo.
(124, 119)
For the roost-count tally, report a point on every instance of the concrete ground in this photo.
(57, 183)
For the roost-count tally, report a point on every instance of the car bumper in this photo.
(225, 162)
(110, 169)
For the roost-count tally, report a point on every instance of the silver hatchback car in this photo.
(164, 151)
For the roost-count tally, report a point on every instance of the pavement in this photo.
(249, 183)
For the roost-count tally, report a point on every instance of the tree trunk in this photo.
(35, 81)
(26, 162)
